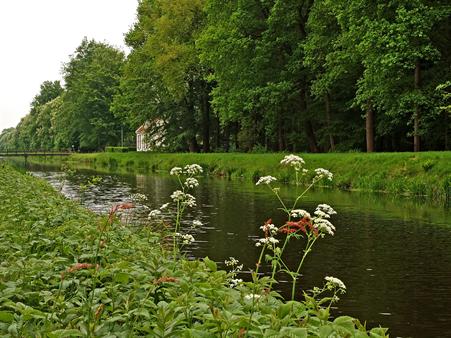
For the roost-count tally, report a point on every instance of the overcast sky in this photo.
(37, 36)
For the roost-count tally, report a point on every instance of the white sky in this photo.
(37, 36)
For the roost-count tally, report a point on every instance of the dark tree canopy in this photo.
(272, 75)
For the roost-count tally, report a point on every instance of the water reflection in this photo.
(393, 254)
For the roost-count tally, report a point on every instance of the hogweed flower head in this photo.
(335, 282)
(269, 229)
(179, 196)
(191, 182)
(300, 213)
(154, 214)
(324, 226)
(252, 296)
(234, 282)
(321, 173)
(176, 171)
(193, 169)
(293, 161)
(197, 223)
(266, 180)
(164, 206)
(138, 197)
(186, 238)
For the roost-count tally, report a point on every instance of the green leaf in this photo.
(65, 333)
(122, 277)
(6, 317)
(210, 264)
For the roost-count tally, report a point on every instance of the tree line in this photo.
(256, 75)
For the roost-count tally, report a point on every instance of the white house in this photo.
(150, 135)
(141, 144)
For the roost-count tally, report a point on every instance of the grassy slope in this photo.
(137, 289)
(426, 173)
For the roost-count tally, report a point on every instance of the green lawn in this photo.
(421, 174)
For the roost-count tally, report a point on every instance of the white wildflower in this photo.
(138, 197)
(269, 228)
(294, 161)
(326, 208)
(265, 241)
(252, 296)
(176, 171)
(191, 182)
(335, 282)
(154, 214)
(234, 282)
(186, 238)
(300, 213)
(178, 196)
(232, 261)
(197, 223)
(323, 225)
(266, 180)
(322, 173)
(192, 169)
(189, 201)
(164, 206)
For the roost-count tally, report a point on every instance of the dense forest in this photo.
(256, 75)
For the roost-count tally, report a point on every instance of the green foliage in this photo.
(66, 272)
(278, 75)
(117, 149)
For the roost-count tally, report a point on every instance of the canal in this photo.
(393, 254)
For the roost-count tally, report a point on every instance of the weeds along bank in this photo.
(67, 272)
(419, 174)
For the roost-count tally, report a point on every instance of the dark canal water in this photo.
(394, 255)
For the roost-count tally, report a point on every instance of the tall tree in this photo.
(92, 78)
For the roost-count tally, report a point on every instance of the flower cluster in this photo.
(179, 196)
(193, 169)
(186, 238)
(324, 211)
(154, 214)
(234, 282)
(191, 182)
(265, 241)
(176, 171)
(299, 213)
(138, 197)
(293, 161)
(321, 222)
(252, 296)
(266, 180)
(197, 223)
(335, 282)
(321, 173)
(269, 229)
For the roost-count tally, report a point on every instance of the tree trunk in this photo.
(416, 117)
(205, 107)
(329, 121)
(369, 127)
(218, 132)
(279, 132)
(446, 131)
(313, 146)
(227, 137)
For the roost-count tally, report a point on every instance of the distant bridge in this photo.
(22, 153)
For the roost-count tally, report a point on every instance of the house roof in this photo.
(142, 128)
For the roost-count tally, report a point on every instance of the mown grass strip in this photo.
(415, 174)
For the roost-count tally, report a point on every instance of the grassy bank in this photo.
(66, 272)
(418, 174)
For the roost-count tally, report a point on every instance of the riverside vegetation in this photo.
(66, 272)
(411, 174)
